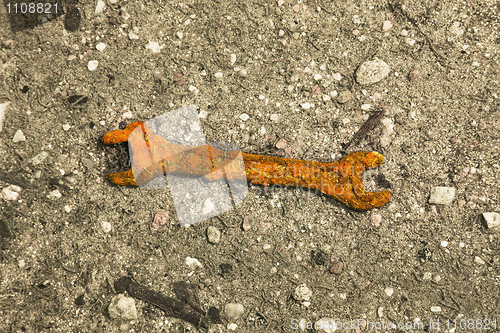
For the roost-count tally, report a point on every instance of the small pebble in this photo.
(133, 35)
(355, 32)
(3, 108)
(325, 325)
(8, 43)
(193, 262)
(306, 105)
(19, 136)
(274, 117)
(100, 47)
(337, 268)
(337, 76)
(281, 144)
(404, 33)
(410, 41)
(444, 243)
(161, 219)
(233, 59)
(389, 291)
(122, 307)
(344, 96)
(232, 326)
(387, 26)
(442, 195)
(100, 6)
(106, 226)
(127, 115)
(372, 71)
(93, 65)
(66, 127)
(213, 235)
(302, 293)
(376, 220)
(326, 98)
(180, 35)
(54, 194)
(318, 77)
(21, 263)
(479, 261)
(413, 74)
(154, 47)
(10, 192)
(244, 117)
(67, 209)
(218, 75)
(492, 219)
(365, 107)
(234, 310)
(435, 309)
(296, 8)
(247, 223)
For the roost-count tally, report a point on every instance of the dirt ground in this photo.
(59, 260)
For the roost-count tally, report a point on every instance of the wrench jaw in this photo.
(345, 182)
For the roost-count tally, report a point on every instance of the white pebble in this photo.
(67, 209)
(218, 75)
(333, 93)
(365, 107)
(337, 76)
(127, 115)
(435, 309)
(492, 219)
(442, 195)
(10, 192)
(444, 243)
(106, 226)
(345, 121)
(66, 127)
(306, 105)
(232, 326)
(193, 89)
(233, 58)
(19, 136)
(317, 77)
(193, 262)
(154, 47)
(326, 98)
(93, 65)
(261, 97)
(3, 108)
(274, 117)
(479, 261)
(100, 47)
(203, 114)
(302, 293)
(389, 291)
(387, 25)
(244, 117)
(404, 33)
(132, 35)
(54, 194)
(180, 34)
(100, 6)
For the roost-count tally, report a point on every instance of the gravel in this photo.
(442, 195)
(371, 72)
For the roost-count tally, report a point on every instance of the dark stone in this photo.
(25, 89)
(319, 257)
(80, 300)
(226, 269)
(72, 21)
